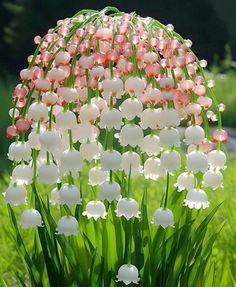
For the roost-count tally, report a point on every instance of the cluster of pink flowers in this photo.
(112, 91)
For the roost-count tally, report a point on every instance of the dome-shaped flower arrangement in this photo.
(100, 106)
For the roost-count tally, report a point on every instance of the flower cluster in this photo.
(110, 93)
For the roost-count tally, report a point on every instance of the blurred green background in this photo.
(210, 24)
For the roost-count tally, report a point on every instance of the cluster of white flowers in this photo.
(117, 122)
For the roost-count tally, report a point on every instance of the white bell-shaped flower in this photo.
(194, 135)
(48, 173)
(97, 176)
(70, 195)
(67, 225)
(131, 163)
(84, 132)
(196, 198)
(110, 160)
(197, 161)
(131, 108)
(151, 145)
(131, 134)
(69, 95)
(112, 88)
(38, 112)
(127, 207)
(15, 195)
(66, 120)
(31, 218)
(213, 179)
(163, 217)
(50, 140)
(152, 168)
(109, 191)
(19, 151)
(149, 118)
(170, 160)
(49, 98)
(128, 274)
(111, 118)
(55, 196)
(185, 181)
(217, 159)
(88, 113)
(95, 209)
(33, 140)
(168, 118)
(90, 150)
(134, 86)
(22, 174)
(100, 103)
(153, 95)
(71, 161)
(169, 137)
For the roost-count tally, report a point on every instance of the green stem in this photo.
(167, 189)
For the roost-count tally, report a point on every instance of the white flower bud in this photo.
(134, 86)
(168, 118)
(169, 137)
(67, 225)
(217, 159)
(15, 195)
(90, 150)
(163, 217)
(111, 160)
(100, 103)
(95, 209)
(66, 120)
(70, 161)
(49, 98)
(19, 151)
(170, 160)
(48, 173)
(127, 207)
(97, 176)
(88, 113)
(131, 134)
(213, 179)
(196, 161)
(130, 163)
(112, 88)
(50, 140)
(69, 95)
(38, 112)
(84, 133)
(109, 191)
(149, 118)
(55, 195)
(196, 198)
(153, 95)
(30, 218)
(194, 135)
(128, 273)
(69, 194)
(151, 145)
(111, 118)
(22, 174)
(152, 168)
(33, 140)
(131, 108)
(185, 181)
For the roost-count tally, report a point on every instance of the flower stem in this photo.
(167, 189)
